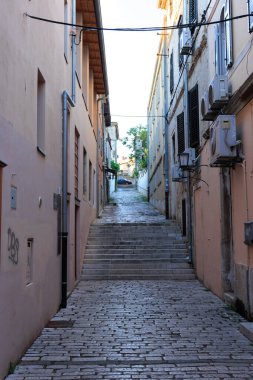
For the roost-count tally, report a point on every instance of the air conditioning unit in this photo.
(177, 174)
(218, 94)
(185, 42)
(223, 141)
(207, 113)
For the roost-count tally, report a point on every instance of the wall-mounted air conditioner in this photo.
(223, 141)
(207, 113)
(177, 174)
(218, 94)
(185, 42)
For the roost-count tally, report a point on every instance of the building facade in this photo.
(53, 108)
(209, 123)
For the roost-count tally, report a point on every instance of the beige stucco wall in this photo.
(26, 46)
(26, 308)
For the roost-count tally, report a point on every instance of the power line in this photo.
(143, 29)
(152, 116)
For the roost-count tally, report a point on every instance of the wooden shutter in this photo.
(216, 36)
(194, 117)
(229, 34)
(171, 73)
(250, 9)
(192, 11)
(180, 133)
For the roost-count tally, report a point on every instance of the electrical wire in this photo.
(147, 116)
(143, 29)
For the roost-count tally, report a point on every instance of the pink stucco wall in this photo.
(207, 221)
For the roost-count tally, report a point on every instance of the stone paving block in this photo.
(158, 330)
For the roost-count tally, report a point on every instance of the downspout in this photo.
(98, 142)
(186, 134)
(66, 99)
(166, 131)
(73, 53)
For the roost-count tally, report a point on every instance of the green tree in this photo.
(114, 165)
(137, 142)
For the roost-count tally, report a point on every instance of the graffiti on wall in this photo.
(13, 246)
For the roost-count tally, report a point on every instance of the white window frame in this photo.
(224, 40)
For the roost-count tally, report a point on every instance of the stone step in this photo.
(157, 239)
(135, 251)
(125, 244)
(122, 265)
(137, 260)
(139, 276)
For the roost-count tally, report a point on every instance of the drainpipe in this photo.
(73, 53)
(166, 131)
(98, 141)
(66, 99)
(186, 134)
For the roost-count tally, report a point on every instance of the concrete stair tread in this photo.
(136, 251)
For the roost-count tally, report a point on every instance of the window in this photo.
(41, 93)
(2, 165)
(171, 73)
(94, 187)
(90, 181)
(66, 30)
(180, 133)
(174, 148)
(183, 217)
(180, 31)
(84, 171)
(224, 41)
(76, 161)
(29, 262)
(194, 117)
(79, 51)
(250, 11)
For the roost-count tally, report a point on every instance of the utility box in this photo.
(248, 232)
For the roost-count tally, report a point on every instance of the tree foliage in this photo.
(137, 142)
(114, 165)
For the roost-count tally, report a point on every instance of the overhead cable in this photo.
(143, 29)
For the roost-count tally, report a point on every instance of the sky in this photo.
(130, 58)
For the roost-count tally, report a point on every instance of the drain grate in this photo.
(60, 324)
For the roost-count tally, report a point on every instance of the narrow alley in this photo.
(165, 326)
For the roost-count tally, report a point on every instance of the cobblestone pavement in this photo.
(140, 330)
(129, 206)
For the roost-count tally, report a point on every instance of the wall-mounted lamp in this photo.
(187, 159)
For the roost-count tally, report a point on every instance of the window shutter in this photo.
(229, 34)
(171, 73)
(192, 11)
(180, 133)
(217, 33)
(250, 9)
(194, 117)
(180, 31)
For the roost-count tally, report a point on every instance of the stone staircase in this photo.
(135, 251)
